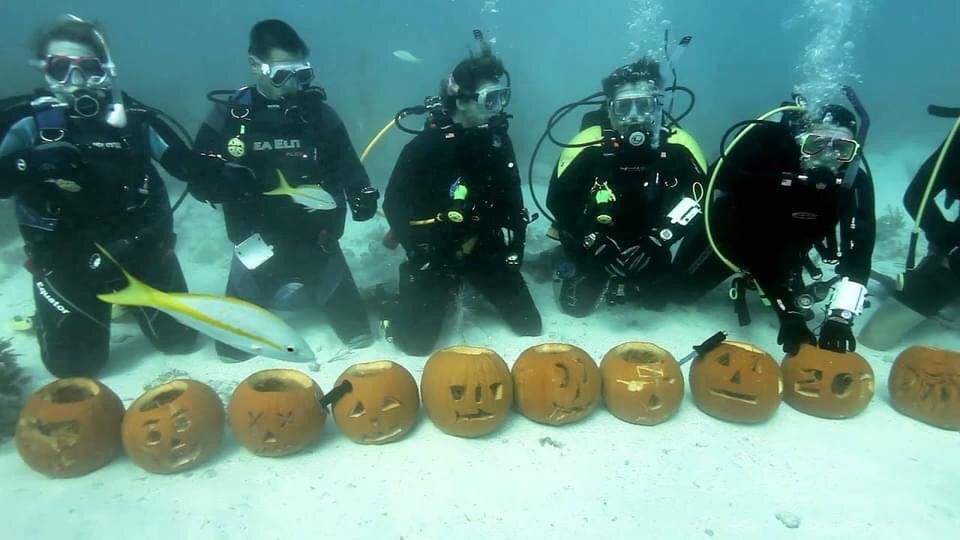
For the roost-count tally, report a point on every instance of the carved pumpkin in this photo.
(827, 384)
(925, 385)
(174, 426)
(277, 412)
(556, 383)
(466, 391)
(70, 427)
(642, 383)
(736, 382)
(382, 404)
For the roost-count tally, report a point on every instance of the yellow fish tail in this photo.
(136, 293)
(283, 187)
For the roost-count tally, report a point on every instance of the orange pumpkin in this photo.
(827, 384)
(556, 383)
(174, 426)
(925, 385)
(70, 427)
(382, 405)
(736, 382)
(466, 391)
(277, 412)
(642, 383)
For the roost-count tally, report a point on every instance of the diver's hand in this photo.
(52, 160)
(363, 205)
(794, 332)
(953, 260)
(837, 335)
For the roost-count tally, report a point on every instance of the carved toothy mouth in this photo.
(736, 396)
(561, 413)
(380, 436)
(479, 415)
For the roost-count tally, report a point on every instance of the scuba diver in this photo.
(76, 156)
(624, 191)
(780, 190)
(454, 202)
(934, 283)
(287, 250)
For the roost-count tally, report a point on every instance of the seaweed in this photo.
(892, 224)
(12, 382)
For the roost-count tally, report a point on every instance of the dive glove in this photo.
(363, 205)
(794, 333)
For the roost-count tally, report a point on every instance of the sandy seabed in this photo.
(878, 475)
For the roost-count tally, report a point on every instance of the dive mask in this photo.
(841, 149)
(493, 99)
(75, 70)
(636, 115)
(281, 72)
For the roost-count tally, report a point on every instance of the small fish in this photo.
(407, 56)
(237, 323)
(311, 196)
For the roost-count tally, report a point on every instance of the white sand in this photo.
(879, 475)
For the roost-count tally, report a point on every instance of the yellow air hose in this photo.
(713, 177)
(375, 140)
(926, 198)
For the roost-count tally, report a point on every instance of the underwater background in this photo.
(879, 475)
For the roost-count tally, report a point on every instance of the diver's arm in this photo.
(339, 151)
(397, 200)
(210, 177)
(858, 230)
(16, 163)
(567, 196)
(939, 231)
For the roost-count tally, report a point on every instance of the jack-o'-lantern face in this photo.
(277, 412)
(556, 383)
(827, 384)
(737, 382)
(925, 384)
(174, 426)
(467, 391)
(382, 404)
(642, 383)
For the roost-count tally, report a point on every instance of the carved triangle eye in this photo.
(457, 392)
(358, 410)
(389, 404)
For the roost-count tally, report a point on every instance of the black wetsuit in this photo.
(78, 181)
(932, 285)
(305, 139)
(646, 186)
(766, 221)
(486, 248)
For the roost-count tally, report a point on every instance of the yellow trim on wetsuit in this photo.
(595, 134)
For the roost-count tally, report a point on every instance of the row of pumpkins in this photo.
(74, 426)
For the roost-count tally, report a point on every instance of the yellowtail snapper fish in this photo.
(237, 323)
(311, 196)
(407, 56)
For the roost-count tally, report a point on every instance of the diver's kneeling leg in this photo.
(926, 290)
(241, 284)
(578, 293)
(348, 314)
(424, 300)
(165, 333)
(73, 327)
(891, 323)
(508, 293)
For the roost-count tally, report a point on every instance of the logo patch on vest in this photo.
(276, 144)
